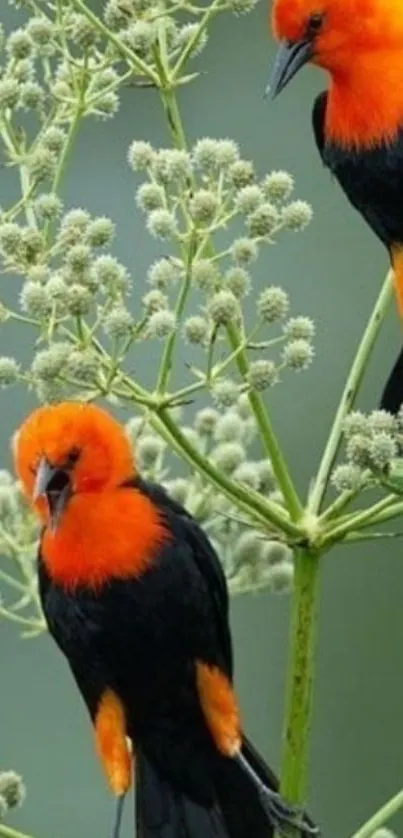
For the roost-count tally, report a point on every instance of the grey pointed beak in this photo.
(289, 59)
(54, 484)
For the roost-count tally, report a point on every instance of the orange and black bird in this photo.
(358, 120)
(135, 597)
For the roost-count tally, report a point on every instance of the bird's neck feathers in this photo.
(103, 536)
(365, 100)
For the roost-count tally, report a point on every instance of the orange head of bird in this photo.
(66, 449)
(334, 34)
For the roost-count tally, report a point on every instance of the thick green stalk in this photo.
(8, 832)
(300, 677)
(353, 382)
(381, 817)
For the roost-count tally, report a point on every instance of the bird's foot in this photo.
(118, 816)
(283, 816)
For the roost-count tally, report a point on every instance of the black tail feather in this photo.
(233, 809)
(392, 396)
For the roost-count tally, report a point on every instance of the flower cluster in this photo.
(12, 792)
(373, 445)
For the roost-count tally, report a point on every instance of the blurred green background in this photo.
(333, 272)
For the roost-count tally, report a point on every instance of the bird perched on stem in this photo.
(358, 120)
(135, 597)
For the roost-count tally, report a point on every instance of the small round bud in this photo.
(248, 548)
(31, 95)
(12, 789)
(53, 139)
(107, 105)
(228, 456)
(19, 44)
(277, 186)
(241, 174)
(272, 304)
(348, 477)
(227, 153)
(266, 476)
(203, 206)
(41, 163)
(162, 273)
(296, 216)
(141, 155)
(31, 244)
(41, 31)
(38, 273)
(78, 258)
(172, 166)
(74, 225)
(358, 449)
(237, 280)
(109, 273)
(247, 474)
(205, 154)
(100, 232)
(9, 370)
(116, 14)
(262, 222)
(225, 392)
(223, 308)
(82, 366)
(382, 449)
(48, 206)
(149, 450)
(205, 421)
(244, 251)
(79, 300)
(178, 489)
(161, 224)
(10, 238)
(150, 196)
(196, 330)
(6, 479)
(229, 427)
(204, 274)
(23, 70)
(9, 93)
(161, 324)
(34, 300)
(155, 301)
(262, 374)
(49, 363)
(299, 328)
(81, 31)
(58, 292)
(274, 553)
(248, 199)
(356, 423)
(298, 354)
(381, 420)
(140, 36)
(118, 323)
(281, 578)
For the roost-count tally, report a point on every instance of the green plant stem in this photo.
(269, 440)
(300, 677)
(381, 817)
(8, 832)
(349, 393)
(364, 517)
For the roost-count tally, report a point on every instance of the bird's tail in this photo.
(234, 810)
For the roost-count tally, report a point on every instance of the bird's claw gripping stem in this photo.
(282, 815)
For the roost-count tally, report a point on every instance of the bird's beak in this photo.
(54, 484)
(289, 59)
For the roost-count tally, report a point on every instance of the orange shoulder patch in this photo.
(111, 743)
(220, 708)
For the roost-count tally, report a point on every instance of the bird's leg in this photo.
(118, 815)
(280, 813)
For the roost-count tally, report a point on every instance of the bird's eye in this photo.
(315, 24)
(72, 457)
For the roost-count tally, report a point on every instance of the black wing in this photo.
(206, 560)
